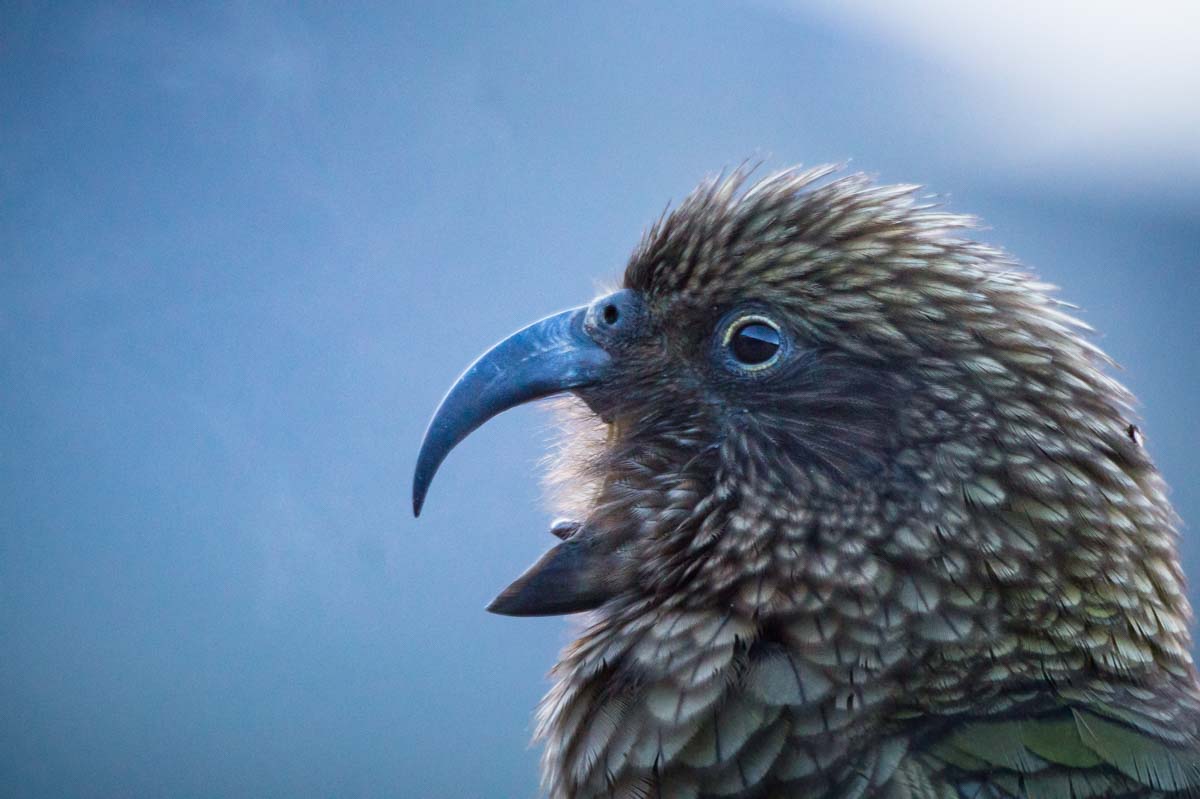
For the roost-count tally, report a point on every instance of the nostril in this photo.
(615, 317)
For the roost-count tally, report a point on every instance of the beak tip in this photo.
(499, 606)
(418, 500)
(422, 478)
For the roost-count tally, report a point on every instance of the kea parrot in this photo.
(853, 509)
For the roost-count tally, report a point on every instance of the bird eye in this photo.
(754, 342)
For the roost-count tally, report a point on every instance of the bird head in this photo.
(812, 390)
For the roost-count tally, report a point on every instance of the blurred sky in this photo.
(245, 248)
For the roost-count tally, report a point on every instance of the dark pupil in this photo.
(755, 344)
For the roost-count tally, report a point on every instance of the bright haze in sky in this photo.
(1059, 83)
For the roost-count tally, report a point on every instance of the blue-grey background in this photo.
(245, 248)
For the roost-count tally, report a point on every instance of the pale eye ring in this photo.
(753, 342)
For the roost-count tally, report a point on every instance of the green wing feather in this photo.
(1067, 752)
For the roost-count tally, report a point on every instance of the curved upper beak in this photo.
(549, 357)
